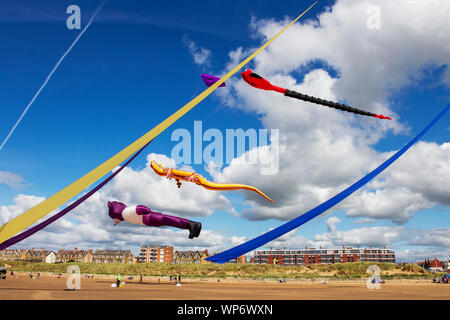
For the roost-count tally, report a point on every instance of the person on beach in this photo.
(118, 280)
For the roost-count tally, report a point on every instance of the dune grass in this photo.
(249, 271)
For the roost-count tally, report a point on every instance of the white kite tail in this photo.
(51, 73)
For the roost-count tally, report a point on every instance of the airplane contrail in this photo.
(51, 73)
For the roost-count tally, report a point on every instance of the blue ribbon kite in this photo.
(297, 222)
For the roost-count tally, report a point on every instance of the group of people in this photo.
(141, 279)
(443, 279)
(38, 275)
(174, 278)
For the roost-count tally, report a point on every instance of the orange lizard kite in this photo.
(179, 175)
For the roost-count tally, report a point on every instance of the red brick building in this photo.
(322, 256)
(432, 265)
(156, 253)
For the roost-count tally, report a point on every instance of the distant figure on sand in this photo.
(118, 280)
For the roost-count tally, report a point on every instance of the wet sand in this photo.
(21, 287)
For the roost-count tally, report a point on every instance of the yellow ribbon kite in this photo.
(29, 217)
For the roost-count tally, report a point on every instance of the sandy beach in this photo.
(50, 287)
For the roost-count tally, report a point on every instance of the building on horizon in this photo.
(74, 255)
(36, 255)
(112, 256)
(12, 254)
(322, 256)
(190, 256)
(241, 259)
(434, 265)
(155, 253)
(29, 255)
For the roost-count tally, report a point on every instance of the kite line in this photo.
(29, 217)
(51, 74)
(297, 222)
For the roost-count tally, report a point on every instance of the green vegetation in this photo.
(249, 271)
(411, 267)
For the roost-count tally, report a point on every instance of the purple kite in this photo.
(144, 216)
(210, 80)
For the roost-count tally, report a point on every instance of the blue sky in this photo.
(133, 68)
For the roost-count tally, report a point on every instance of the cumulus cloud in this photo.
(425, 169)
(331, 223)
(11, 179)
(373, 236)
(416, 255)
(372, 60)
(201, 55)
(21, 204)
(433, 238)
(89, 225)
(398, 205)
(323, 151)
(420, 243)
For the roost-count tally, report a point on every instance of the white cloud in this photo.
(323, 151)
(332, 238)
(373, 236)
(424, 169)
(11, 179)
(202, 56)
(416, 255)
(331, 223)
(371, 60)
(397, 205)
(428, 243)
(89, 225)
(432, 238)
(21, 204)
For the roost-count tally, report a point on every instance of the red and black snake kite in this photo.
(259, 82)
